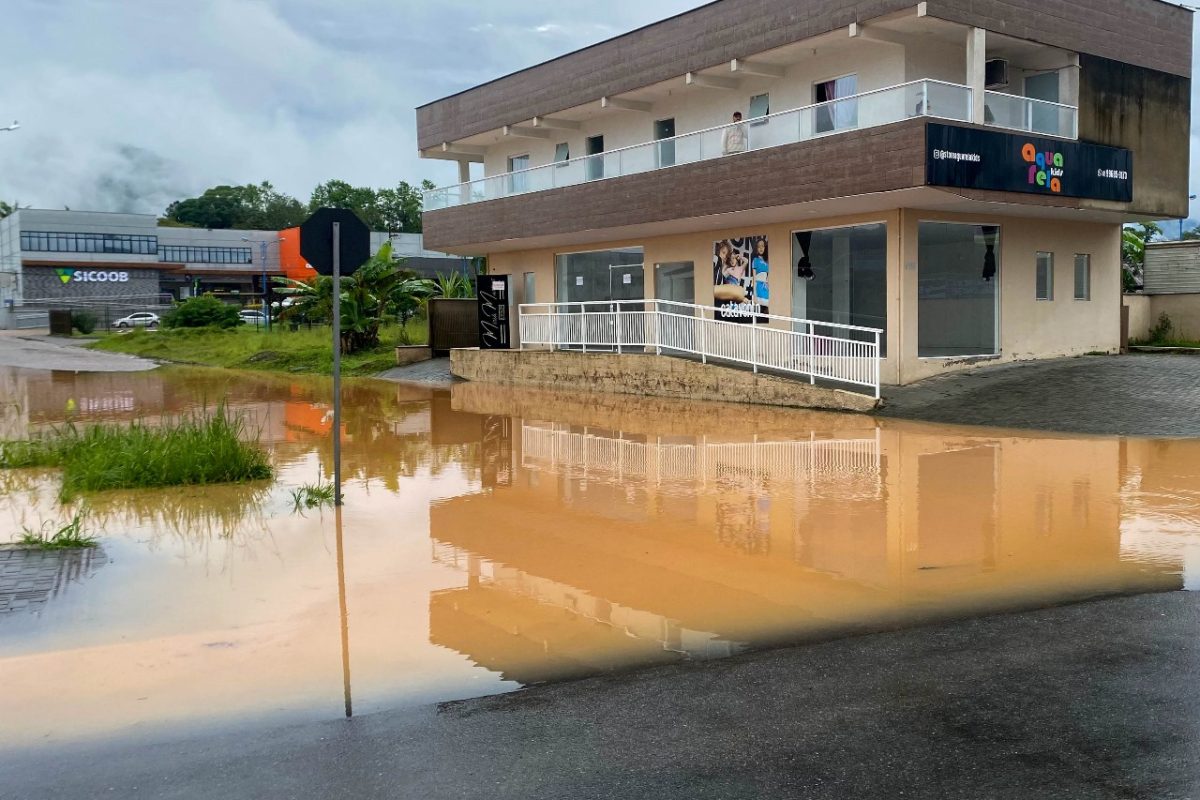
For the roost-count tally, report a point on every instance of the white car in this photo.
(251, 317)
(141, 319)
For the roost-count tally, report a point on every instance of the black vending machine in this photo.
(493, 293)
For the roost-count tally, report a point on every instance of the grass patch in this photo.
(280, 350)
(187, 451)
(313, 495)
(1186, 343)
(71, 535)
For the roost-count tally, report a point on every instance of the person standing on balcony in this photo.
(734, 138)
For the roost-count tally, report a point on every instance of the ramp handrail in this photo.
(828, 351)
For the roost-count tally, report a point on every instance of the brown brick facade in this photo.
(859, 162)
(1146, 33)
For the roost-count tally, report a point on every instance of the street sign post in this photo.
(336, 242)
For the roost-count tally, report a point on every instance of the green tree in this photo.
(380, 290)
(249, 207)
(395, 210)
(1134, 239)
(8, 208)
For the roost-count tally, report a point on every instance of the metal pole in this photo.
(344, 617)
(337, 364)
(266, 302)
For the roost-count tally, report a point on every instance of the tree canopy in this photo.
(262, 207)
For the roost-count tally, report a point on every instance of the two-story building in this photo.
(953, 174)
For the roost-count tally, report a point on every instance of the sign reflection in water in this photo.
(495, 537)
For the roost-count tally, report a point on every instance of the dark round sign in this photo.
(316, 240)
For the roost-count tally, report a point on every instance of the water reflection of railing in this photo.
(552, 447)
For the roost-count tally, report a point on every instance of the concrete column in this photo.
(1068, 83)
(464, 170)
(977, 71)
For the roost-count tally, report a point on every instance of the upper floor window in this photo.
(206, 255)
(562, 152)
(760, 106)
(837, 112)
(518, 182)
(118, 243)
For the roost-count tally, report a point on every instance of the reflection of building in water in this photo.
(30, 578)
(1162, 487)
(615, 548)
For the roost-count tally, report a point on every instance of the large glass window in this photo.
(957, 290)
(205, 255)
(119, 243)
(599, 275)
(841, 276)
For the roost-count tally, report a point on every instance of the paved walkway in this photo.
(435, 371)
(31, 578)
(1092, 701)
(39, 351)
(1134, 395)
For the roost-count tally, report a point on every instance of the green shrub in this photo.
(187, 451)
(83, 321)
(1161, 332)
(202, 312)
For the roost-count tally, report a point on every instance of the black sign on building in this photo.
(970, 158)
(493, 294)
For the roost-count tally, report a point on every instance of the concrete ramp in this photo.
(648, 374)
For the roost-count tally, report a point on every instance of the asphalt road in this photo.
(1095, 701)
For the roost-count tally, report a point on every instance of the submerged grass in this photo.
(312, 495)
(68, 536)
(281, 350)
(186, 451)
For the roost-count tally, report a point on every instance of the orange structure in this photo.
(291, 262)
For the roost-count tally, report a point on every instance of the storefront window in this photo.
(599, 275)
(957, 290)
(840, 275)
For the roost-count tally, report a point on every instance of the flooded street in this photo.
(496, 537)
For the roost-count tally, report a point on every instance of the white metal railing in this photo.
(827, 351)
(1030, 115)
(922, 98)
(556, 447)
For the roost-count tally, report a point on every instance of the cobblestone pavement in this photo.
(30, 578)
(434, 371)
(1134, 395)
(45, 352)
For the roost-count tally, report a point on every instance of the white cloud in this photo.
(128, 106)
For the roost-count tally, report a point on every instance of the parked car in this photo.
(251, 317)
(140, 319)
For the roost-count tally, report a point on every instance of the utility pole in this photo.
(262, 252)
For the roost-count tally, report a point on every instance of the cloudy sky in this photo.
(130, 104)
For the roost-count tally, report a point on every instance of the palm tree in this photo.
(378, 291)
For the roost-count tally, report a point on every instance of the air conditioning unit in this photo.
(996, 73)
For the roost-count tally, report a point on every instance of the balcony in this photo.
(915, 100)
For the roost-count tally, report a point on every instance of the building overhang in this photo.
(159, 266)
(853, 173)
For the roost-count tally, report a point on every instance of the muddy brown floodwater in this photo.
(498, 537)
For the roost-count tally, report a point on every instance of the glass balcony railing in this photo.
(924, 98)
(1030, 115)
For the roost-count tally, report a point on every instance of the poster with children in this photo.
(740, 271)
